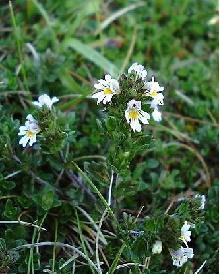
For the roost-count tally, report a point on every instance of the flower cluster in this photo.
(149, 93)
(181, 255)
(31, 128)
(184, 252)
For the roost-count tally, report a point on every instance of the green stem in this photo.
(38, 237)
(30, 259)
(95, 189)
(54, 247)
(115, 262)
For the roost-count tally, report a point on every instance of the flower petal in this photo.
(144, 117)
(54, 99)
(135, 125)
(30, 118)
(23, 141)
(107, 98)
(108, 78)
(99, 95)
(99, 86)
(36, 103)
(156, 115)
(33, 140)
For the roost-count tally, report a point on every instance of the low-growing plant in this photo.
(89, 183)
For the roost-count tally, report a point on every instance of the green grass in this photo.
(62, 48)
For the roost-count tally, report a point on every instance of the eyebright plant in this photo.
(129, 105)
(123, 100)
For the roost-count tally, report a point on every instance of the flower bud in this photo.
(157, 247)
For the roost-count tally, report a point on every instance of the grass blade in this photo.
(92, 55)
(117, 14)
(115, 262)
(82, 239)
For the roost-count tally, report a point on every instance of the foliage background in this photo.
(61, 47)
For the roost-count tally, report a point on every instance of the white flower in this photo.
(107, 88)
(157, 247)
(139, 70)
(202, 199)
(44, 99)
(181, 255)
(185, 233)
(214, 20)
(157, 100)
(156, 114)
(153, 89)
(134, 113)
(28, 131)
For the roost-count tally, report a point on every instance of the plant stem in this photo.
(95, 189)
(54, 248)
(114, 264)
(110, 189)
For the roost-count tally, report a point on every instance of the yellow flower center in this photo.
(153, 93)
(30, 134)
(107, 91)
(133, 114)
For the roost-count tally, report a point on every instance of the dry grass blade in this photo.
(130, 51)
(23, 223)
(58, 244)
(118, 14)
(102, 237)
(97, 240)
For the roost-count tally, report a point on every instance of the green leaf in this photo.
(92, 55)
(8, 185)
(47, 199)
(11, 211)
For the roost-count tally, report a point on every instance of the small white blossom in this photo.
(156, 114)
(45, 100)
(185, 233)
(214, 20)
(157, 247)
(181, 255)
(202, 199)
(139, 71)
(107, 89)
(28, 131)
(134, 113)
(153, 90)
